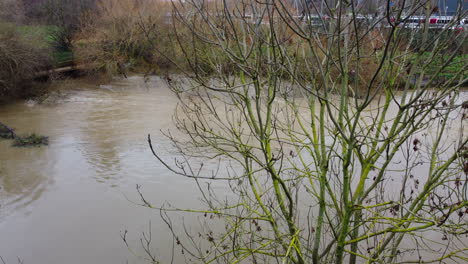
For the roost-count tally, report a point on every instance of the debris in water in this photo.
(26, 141)
(6, 132)
(31, 140)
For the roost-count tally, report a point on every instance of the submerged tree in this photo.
(340, 138)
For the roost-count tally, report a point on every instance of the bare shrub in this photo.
(65, 16)
(125, 34)
(20, 60)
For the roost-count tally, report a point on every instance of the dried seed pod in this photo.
(465, 105)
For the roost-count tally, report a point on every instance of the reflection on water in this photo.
(102, 153)
(19, 186)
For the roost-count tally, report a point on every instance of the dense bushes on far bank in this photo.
(21, 57)
(125, 35)
(120, 36)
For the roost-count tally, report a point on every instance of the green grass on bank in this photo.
(42, 36)
(453, 68)
(63, 58)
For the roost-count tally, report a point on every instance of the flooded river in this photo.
(70, 202)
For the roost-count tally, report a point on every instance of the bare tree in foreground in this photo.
(338, 139)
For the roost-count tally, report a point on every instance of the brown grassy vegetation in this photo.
(123, 35)
(20, 59)
(151, 36)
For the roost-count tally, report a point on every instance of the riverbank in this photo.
(51, 84)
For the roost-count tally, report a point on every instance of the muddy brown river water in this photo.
(69, 202)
